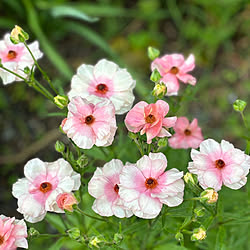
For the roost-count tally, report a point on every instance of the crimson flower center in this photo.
(220, 164)
(151, 183)
(116, 188)
(150, 119)
(89, 119)
(45, 187)
(187, 132)
(11, 54)
(1, 240)
(102, 88)
(174, 70)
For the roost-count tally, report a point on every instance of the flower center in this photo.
(102, 88)
(1, 240)
(150, 119)
(220, 164)
(187, 132)
(11, 54)
(89, 119)
(45, 187)
(116, 188)
(174, 70)
(151, 183)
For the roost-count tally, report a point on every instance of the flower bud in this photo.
(74, 233)
(59, 147)
(179, 236)
(163, 142)
(190, 178)
(199, 211)
(94, 242)
(209, 196)
(61, 101)
(26, 70)
(66, 201)
(239, 105)
(159, 90)
(62, 125)
(155, 76)
(32, 232)
(118, 238)
(199, 234)
(18, 35)
(153, 53)
(82, 161)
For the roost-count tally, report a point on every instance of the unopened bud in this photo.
(32, 232)
(18, 35)
(159, 90)
(66, 201)
(190, 178)
(74, 233)
(82, 161)
(61, 101)
(199, 234)
(239, 105)
(59, 147)
(179, 236)
(155, 76)
(94, 241)
(209, 196)
(153, 53)
(118, 238)
(26, 70)
(199, 211)
(163, 142)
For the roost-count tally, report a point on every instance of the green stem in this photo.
(17, 75)
(90, 216)
(49, 235)
(139, 146)
(38, 66)
(247, 151)
(50, 96)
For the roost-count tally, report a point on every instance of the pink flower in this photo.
(104, 186)
(37, 192)
(104, 80)
(13, 233)
(186, 135)
(145, 186)
(150, 119)
(173, 68)
(88, 124)
(65, 201)
(16, 57)
(218, 164)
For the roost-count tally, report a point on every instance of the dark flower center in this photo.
(150, 119)
(174, 70)
(89, 119)
(220, 164)
(102, 88)
(1, 240)
(187, 132)
(116, 188)
(151, 183)
(45, 187)
(12, 54)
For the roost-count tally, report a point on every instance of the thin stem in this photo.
(90, 216)
(17, 75)
(49, 236)
(43, 72)
(50, 96)
(139, 146)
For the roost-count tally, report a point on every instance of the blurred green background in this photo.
(75, 32)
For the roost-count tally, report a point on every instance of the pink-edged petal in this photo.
(152, 132)
(105, 68)
(186, 78)
(163, 107)
(232, 174)
(210, 146)
(211, 179)
(103, 207)
(173, 201)
(164, 133)
(237, 185)
(34, 168)
(21, 187)
(171, 83)
(169, 122)
(181, 124)
(123, 80)
(188, 65)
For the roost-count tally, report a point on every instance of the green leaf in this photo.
(58, 244)
(67, 11)
(220, 239)
(56, 222)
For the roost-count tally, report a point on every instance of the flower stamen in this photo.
(174, 70)
(1, 240)
(11, 54)
(89, 119)
(116, 188)
(220, 164)
(151, 183)
(150, 119)
(102, 88)
(187, 132)
(45, 187)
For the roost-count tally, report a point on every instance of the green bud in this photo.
(239, 105)
(18, 35)
(199, 211)
(209, 196)
(59, 147)
(163, 142)
(199, 234)
(74, 233)
(159, 90)
(155, 76)
(190, 178)
(179, 236)
(94, 241)
(82, 161)
(61, 101)
(118, 238)
(153, 53)
(32, 232)
(26, 70)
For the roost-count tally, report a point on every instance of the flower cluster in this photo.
(140, 189)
